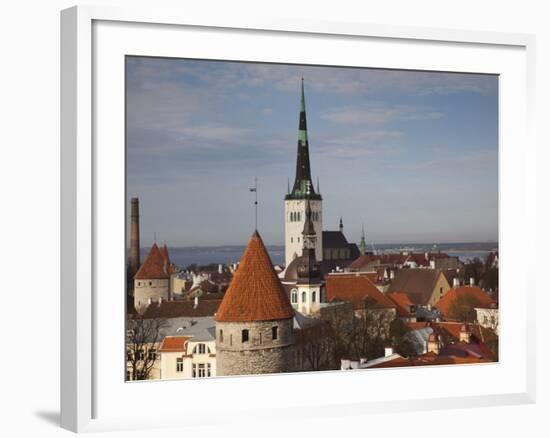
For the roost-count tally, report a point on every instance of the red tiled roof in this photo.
(430, 359)
(178, 309)
(155, 266)
(174, 344)
(402, 301)
(355, 288)
(445, 303)
(255, 292)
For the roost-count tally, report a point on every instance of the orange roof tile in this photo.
(355, 288)
(155, 266)
(402, 301)
(255, 292)
(445, 303)
(174, 344)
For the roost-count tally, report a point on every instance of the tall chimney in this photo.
(134, 237)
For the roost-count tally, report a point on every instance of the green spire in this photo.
(303, 186)
(363, 244)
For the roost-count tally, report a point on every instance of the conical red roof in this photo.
(155, 266)
(255, 293)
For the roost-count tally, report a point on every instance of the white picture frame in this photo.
(86, 380)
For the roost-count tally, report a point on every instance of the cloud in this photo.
(379, 114)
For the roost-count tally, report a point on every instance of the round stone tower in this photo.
(254, 320)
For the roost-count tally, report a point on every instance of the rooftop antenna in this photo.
(288, 186)
(154, 237)
(255, 190)
(318, 191)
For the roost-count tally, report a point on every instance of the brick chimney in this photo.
(134, 237)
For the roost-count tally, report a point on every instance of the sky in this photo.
(411, 155)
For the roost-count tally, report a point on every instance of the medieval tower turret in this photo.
(302, 192)
(254, 320)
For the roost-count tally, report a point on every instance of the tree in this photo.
(463, 308)
(144, 336)
(473, 269)
(316, 345)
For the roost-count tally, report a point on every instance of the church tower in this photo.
(308, 270)
(301, 194)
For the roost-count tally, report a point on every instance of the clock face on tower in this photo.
(309, 243)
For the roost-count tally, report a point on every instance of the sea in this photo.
(206, 255)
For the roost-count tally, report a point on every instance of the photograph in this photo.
(289, 218)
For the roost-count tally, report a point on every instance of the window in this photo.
(291, 240)
(140, 355)
(274, 333)
(294, 295)
(179, 365)
(230, 339)
(209, 370)
(313, 295)
(303, 297)
(150, 283)
(221, 335)
(139, 283)
(152, 354)
(260, 337)
(245, 335)
(441, 291)
(199, 349)
(202, 372)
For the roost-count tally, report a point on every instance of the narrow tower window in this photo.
(245, 335)
(313, 294)
(274, 333)
(303, 297)
(221, 335)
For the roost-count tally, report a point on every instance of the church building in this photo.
(332, 249)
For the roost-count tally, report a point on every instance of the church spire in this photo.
(363, 244)
(308, 270)
(303, 185)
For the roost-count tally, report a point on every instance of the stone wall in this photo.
(150, 289)
(260, 354)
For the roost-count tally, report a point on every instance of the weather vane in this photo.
(255, 190)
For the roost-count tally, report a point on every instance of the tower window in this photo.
(298, 216)
(294, 296)
(274, 333)
(245, 335)
(313, 294)
(221, 335)
(303, 297)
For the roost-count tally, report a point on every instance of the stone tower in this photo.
(308, 270)
(301, 192)
(134, 237)
(255, 318)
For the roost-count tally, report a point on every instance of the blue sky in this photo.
(412, 155)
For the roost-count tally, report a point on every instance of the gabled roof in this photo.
(334, 239)
(174, 344)
(473, 292)
(402, 301)
(155, 265)
(417, 283)
(355, 288)
(255, 293)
